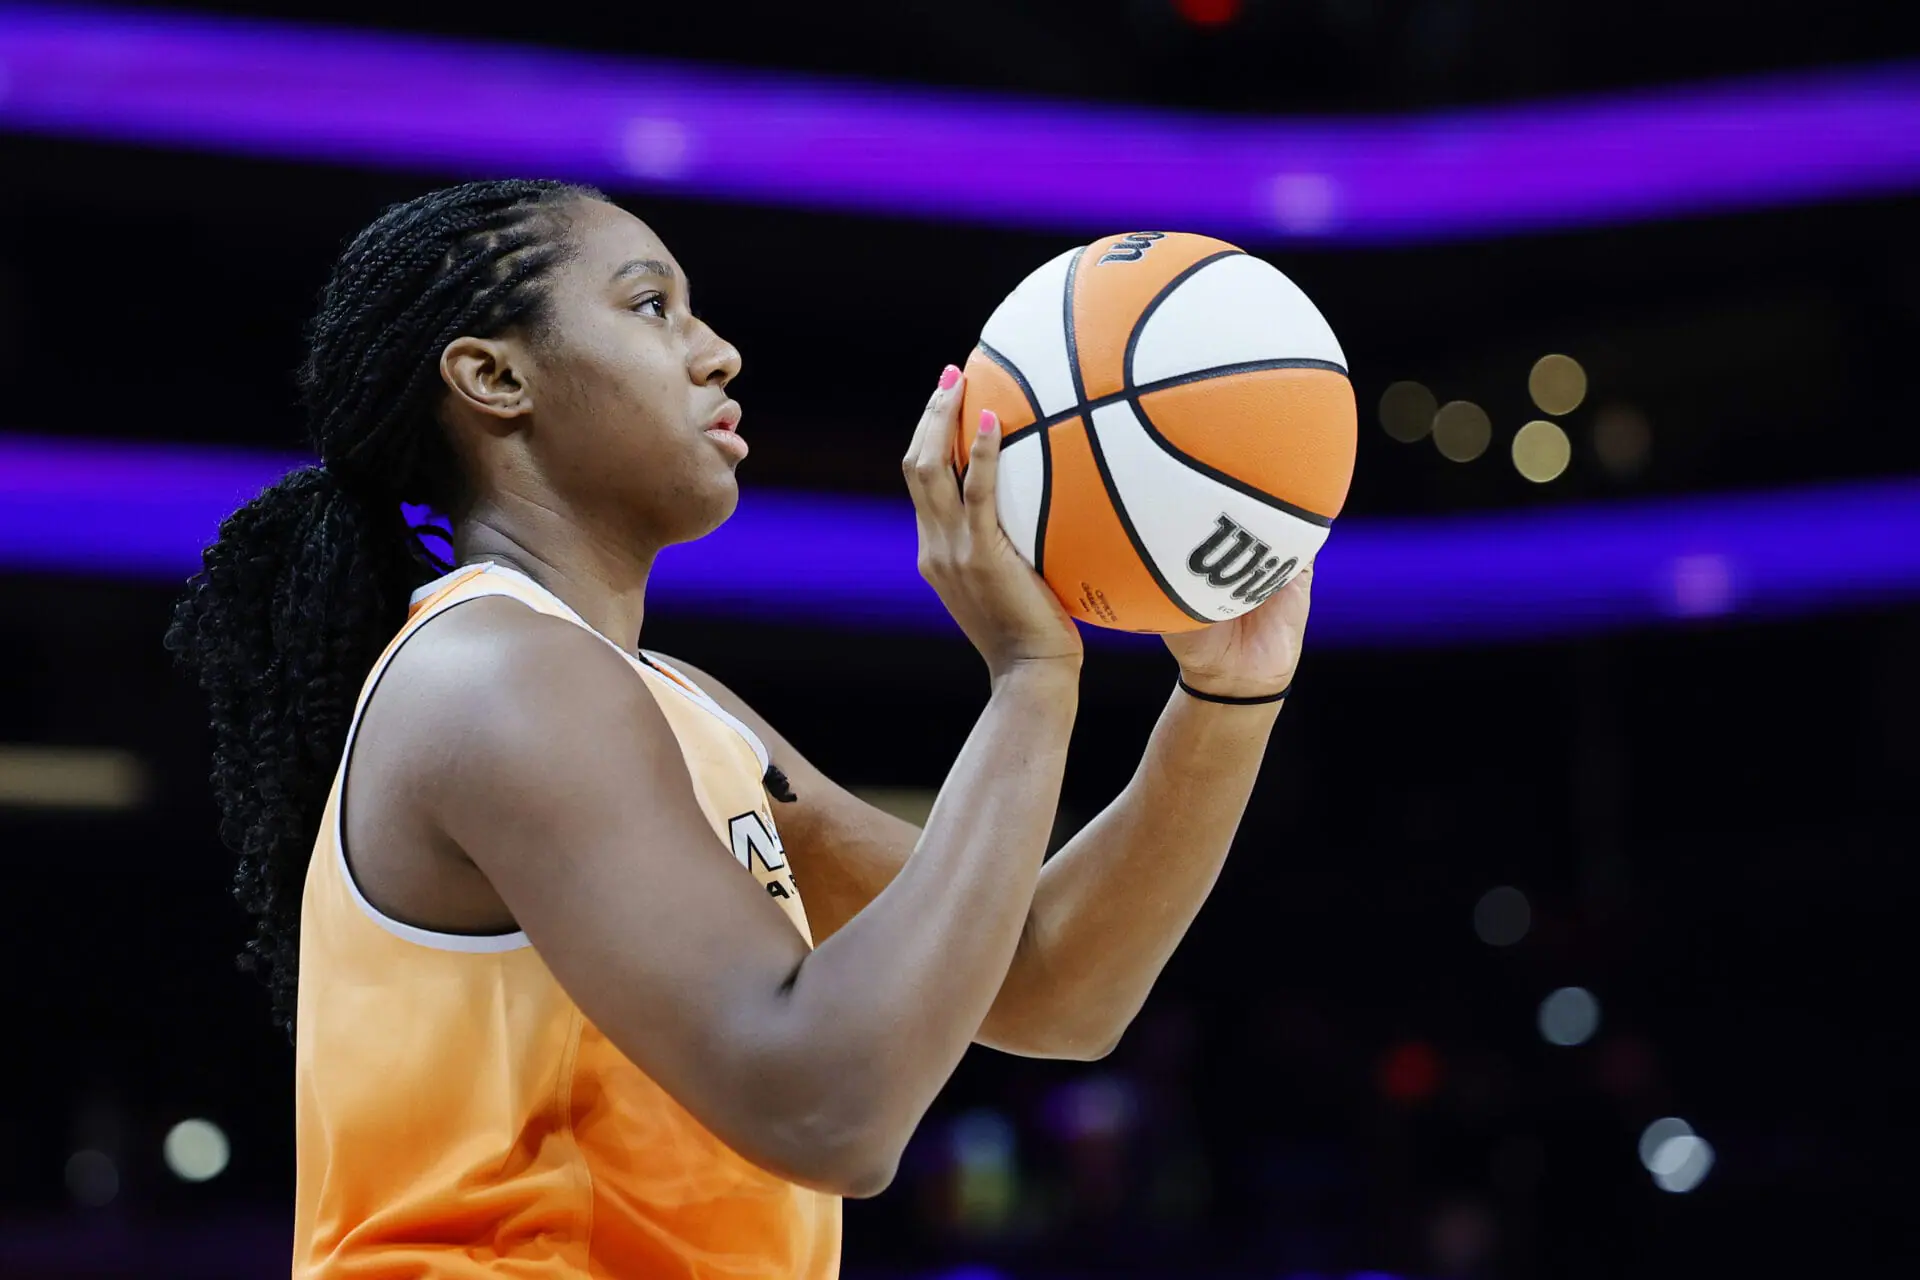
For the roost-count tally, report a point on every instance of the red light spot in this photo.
(1208, 13)
(1626, 1066)
(1410, 1072)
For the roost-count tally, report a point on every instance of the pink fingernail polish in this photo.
(949, 376)
(989, 422)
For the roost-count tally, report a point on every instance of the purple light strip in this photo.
(144, 512)
(243, 1246)
(468, 108)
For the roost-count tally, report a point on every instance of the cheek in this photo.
(633, 385)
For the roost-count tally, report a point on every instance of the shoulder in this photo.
(494, 681)
(505, 646)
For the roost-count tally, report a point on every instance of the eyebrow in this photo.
(644, 267)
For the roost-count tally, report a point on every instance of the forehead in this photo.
(606, 238)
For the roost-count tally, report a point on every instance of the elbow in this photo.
(1059, 1043)
(845, 1150)
(1097, 1049)
(864, 1181)
(1060, 1027)
(858, 1172)
(1083, 1048)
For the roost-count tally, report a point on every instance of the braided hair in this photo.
(309, 581)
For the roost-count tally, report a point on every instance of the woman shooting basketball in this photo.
(544, 1023)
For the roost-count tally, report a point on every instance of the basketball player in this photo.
(563, 1006)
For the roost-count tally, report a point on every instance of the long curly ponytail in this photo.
(308, 582)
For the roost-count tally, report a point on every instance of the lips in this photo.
(724, 430)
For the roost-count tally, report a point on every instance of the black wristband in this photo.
(1192, 692)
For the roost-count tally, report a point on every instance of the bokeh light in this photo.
(1681, 1163)
(1461, 430)
(1502, 916)
(1702, 585)
(1541, 451)
(984, 1176)
(1406, 411)
(1410, 1072)
(1098, 1108)
(1657, 1133)
(1557, 384)
(92, 1178)
(196, 1150)
(1622, 439)
(1569, 1016)
(1208, 13)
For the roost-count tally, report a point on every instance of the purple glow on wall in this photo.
(144, 511)
(461, 107)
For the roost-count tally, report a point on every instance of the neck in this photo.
(605, 583)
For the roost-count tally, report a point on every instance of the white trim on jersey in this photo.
(674, 677)
(684, 683)
(667, 674)
(477, 944)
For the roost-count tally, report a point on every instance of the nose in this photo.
(715, 362)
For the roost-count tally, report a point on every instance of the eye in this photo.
(658, 301)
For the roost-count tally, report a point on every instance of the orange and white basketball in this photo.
(1179, 430)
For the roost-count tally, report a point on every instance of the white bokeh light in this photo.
(1569, 1016)
(1657, 1133)
(196, 1150)
(1679, 1163)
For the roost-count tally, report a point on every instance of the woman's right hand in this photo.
(1006, 609)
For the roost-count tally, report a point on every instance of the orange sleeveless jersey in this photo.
(458, 1116)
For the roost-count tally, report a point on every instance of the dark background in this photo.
(1335, 1075)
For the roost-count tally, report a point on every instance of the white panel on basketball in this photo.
(1017, 492)
(1232, 310)
(1175, 509)
(1029, 329)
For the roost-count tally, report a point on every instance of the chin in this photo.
(716, 502)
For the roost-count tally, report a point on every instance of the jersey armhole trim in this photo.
(641, 660)
(471, 943)
(704, 700)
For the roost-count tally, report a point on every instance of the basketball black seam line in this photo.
(1079, 394)
(1073, 340)
(1220, 477)
(1127, 388)
(1013, 371)
(1132, 394)
(1100, 457)
(1046, 453)
(1133, 534)
(1177, 380)
(1140, 327)
(1046, 506)
(1166, 291)
(1084, 408)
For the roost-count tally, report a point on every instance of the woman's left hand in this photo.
(1254, 654)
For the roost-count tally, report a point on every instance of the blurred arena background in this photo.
(1562, 936)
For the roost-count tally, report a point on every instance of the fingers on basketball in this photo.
(978, 478)
(927, 468)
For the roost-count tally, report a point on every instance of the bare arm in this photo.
(567, 789)
(1117, 899)
(1089, 955)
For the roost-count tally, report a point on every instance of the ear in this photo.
(487, 375)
